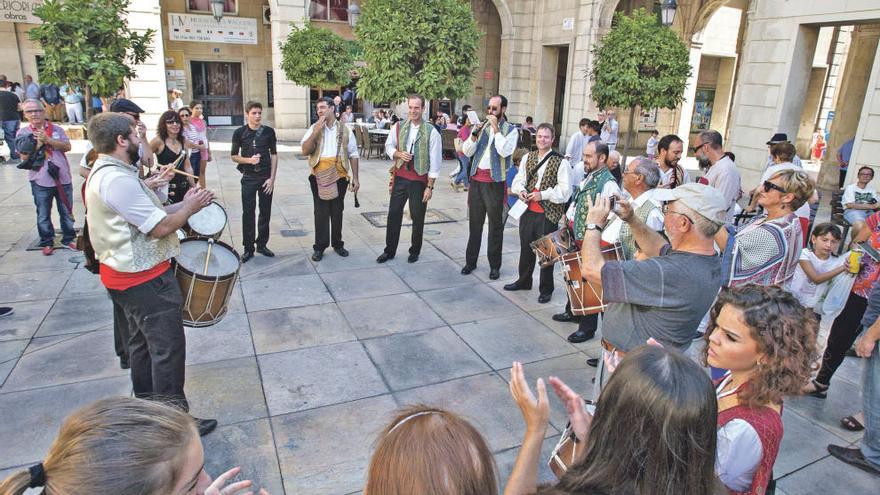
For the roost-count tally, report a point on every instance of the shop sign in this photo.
(203, 28)
(20, 11)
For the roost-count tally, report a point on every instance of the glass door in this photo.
(218, 86)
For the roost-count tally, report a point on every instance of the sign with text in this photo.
(20, 11)
(203, 28)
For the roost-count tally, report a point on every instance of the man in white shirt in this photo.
(334, 146)
(542, 182)
(610, 129)
(669, 150)
(722, 173)
(574, 151)
(416, 149)
(491, 149)
(639, 181)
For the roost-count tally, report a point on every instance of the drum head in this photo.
(223, 260)
(209, 221)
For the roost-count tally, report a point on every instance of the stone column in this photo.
(291, 100)
(690, 92)
(148, 89)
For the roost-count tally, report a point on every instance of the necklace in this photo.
(718, 390)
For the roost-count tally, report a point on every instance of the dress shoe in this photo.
(317, 255)
(494, 274)
(467, 269)
(384, 257)
(48, 250)
(246, 256)
(592, 362)
(205, 426)
(853, 457)
(564, 317)
(581, 336)
(266, 252)
(517, 286)
(412, 258)
(544, 298)
(341, 251)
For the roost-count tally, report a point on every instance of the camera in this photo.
(27, 144)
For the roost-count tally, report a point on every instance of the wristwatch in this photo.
(593, 226)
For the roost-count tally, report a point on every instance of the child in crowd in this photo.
(653, 141)
(817, 266)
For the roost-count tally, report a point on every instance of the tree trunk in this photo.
(88, 97)
(630, 134)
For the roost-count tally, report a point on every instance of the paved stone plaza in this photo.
(313, 358)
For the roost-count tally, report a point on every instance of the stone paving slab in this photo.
(372, 317)
(77, 314)
(23, 323)
(289, 329)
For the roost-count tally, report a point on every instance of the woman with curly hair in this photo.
(767, 341)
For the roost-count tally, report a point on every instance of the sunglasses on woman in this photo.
(768, 186)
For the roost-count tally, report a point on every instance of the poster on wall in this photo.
(175, 79)
(703, 101)
(648, 119)
(203, 28)
(20, 11)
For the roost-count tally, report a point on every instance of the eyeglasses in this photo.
(172, 122)
(491, 109)
(697, 147)
(768, 186)
(665, 209)
(37, 110)
(184, 115)
(135, 116)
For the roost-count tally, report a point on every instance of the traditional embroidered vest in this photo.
(553, 211)
(421, 156)
(767, 422)
(626, 238)
(595, 183)
(117, 243)
(342, 135)
(499, 166)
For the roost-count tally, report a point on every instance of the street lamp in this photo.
(667, 12)
(354, 12)
(217, 9)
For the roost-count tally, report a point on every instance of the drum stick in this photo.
(208, 256)
(181, 172)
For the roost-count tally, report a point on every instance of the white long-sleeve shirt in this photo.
(435, 146)
(504, 145)
(556, 194)
(328, 144)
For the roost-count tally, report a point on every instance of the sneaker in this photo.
(71, 246)
(6, 311)
(48, 250)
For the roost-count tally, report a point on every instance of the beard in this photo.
(669, 163)
(133, 152)
(705, 163)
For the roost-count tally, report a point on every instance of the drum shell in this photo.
(551, 247)
(199, 308)
(585, 297)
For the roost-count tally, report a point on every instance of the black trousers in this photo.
(328, 213)
(406, 190)
(120, 332)
(251, 191)
(485, 199)
(533, 226)
(156, 342)
(844, 330)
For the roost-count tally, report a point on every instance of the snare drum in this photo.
(585, 298)
(552, 246)
(206, 293)
(208, 222)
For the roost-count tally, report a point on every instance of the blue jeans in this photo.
(10, 129)
(195, 159)
(43, 197)
(462, 177)
(871, 408)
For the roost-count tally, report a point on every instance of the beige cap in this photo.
(704, 200)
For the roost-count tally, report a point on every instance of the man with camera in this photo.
(42, 146)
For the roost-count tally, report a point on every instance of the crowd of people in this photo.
(709, 316)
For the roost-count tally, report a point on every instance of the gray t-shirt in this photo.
(664, 297)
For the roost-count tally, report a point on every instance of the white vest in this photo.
(117, 243)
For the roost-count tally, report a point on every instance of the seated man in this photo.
(662, 298)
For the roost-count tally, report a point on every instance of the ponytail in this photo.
(16, 484)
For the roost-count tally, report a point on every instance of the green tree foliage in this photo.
(316, 57)
(639, 63)
(417, 46)
(89, 44)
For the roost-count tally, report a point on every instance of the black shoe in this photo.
(317, 255)
(853, 457)
(341, 251)
(412, 258)
(205, 426)
(266, 252)
(517, 286)
(494, 274)
(581, 336)
(384, 257)
(246, 256)
(564, 317)
(6, 311)
(544, 298)
(467, 269)
(592, 362)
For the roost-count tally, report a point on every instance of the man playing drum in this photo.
(417, 153)
(543, 182)
(640, 177)
(134, 238)
(664, 297)
(598, 181)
